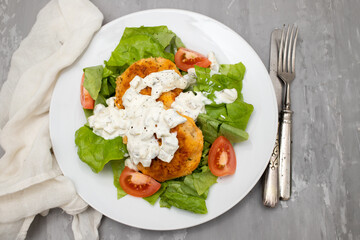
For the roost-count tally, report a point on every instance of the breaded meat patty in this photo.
(142, 68)
(190, 138)
(186, 158)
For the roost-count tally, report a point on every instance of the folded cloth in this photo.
(30, 179)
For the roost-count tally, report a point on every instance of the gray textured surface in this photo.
(326, 101)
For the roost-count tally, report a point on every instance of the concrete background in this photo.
(326, 133)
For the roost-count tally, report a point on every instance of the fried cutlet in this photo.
(189, 136)
(186, 158)
(142, 68)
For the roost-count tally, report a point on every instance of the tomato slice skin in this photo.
(85, 98)
(186, 58)
(138, 184)
(222, 158)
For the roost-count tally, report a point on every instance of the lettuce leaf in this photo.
(201, 181)
(134, 48)
(183, 201)
(236, 114)
(229, 120)
(190, 192)
(230, 76)
(234, 71)
(93, 80)
(161, 33)
(88, 112)
(153, 198)
(95, 151)
(183, 188)
(213, 128)
(117, 168)
(139, 43)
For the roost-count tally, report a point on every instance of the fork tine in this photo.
(288, 61)
(294, 51)
(285, 49)
(281, 48)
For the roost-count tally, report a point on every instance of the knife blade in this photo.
(271, 182)
(277, 83)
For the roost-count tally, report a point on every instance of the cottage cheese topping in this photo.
(108, 122)
(144, 120)
(190, 104)
(190, 77)
(226, 96)
(214, 63)
(130, 164)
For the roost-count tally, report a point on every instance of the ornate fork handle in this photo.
(285, 155)
(271, 196)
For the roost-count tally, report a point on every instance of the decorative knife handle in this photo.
(285, 155)
(271, 196)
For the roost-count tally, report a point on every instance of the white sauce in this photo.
(226, 96)
(214, 63)
(190, 77)
(142, 119)
(108, 122)
(130, 164)
(190, 104)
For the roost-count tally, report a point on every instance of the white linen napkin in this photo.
(30, 179)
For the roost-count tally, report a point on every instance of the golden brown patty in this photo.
(190, 137)
(186, 158)
(142, 68)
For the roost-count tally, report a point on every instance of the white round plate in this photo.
(202, 34)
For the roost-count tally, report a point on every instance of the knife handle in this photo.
(285, 155)
(271, 195)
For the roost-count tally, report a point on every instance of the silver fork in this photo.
(286, 72)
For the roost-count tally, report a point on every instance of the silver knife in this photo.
(271, 183)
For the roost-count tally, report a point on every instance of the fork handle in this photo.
(285, 155)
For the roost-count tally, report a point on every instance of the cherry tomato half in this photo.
(222, 158)
(138, 184)
(86, 100)
(186, 58)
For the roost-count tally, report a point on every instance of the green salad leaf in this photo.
(213, 128)
(179, 186)
(161, 33)
(229, 120)
(189, 193)
(236, 114)
(201, 181)
(209, 127)
(134, 48)
(234, 71)
(93, 79)
(117, 168)
(233, 134)
(230, 76)
(153, 198)
(183, 201)
(88, 112)
(95, 151)
(139, 43)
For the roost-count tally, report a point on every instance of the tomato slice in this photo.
(222, 158)
(86, 100)
(186, 58)
(138, 184)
